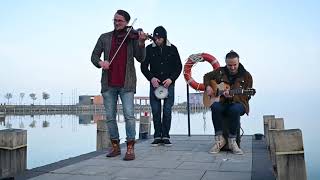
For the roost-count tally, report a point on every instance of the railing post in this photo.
(275, 125)
(266, 119)
(103, 137)
(13, 152)
(290, 155)
(145, 126)
(2, 117)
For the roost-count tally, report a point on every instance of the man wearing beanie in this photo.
(162, 66)
(119, 78)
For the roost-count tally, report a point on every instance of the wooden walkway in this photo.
(187, 159)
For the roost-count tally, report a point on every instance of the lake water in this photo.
(56, 137)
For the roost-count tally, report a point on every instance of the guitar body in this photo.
(209, 100)
(218, 90)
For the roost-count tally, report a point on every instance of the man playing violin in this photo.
(161, 67)
(229, 106)
(119, 78)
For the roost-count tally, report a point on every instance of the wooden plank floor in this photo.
(187, 159)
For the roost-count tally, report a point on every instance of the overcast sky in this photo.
(47, 45)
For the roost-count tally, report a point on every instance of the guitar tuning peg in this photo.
(242, 82)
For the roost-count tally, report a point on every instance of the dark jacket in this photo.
(242, 79)
(133, 51)
(164, 62)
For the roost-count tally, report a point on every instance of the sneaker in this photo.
(219, 142)
(166, 142)
(233, 146)
(156, 142)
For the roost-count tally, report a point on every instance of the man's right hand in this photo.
(209, 91)
(104, 64)
(155, 82)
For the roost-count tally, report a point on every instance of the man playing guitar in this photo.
(227, 95)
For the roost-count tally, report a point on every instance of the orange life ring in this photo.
(193, 59)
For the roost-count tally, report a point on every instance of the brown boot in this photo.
(115, 151)
(130, 151)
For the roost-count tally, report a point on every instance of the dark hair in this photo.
(232, 55)
(124, 13)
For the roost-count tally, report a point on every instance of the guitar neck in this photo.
(236, 91)
(231, 92)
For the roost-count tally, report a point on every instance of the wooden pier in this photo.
(187, 159)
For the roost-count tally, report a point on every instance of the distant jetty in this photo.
(74, 109)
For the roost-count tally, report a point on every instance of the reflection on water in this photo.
(53, 137)
(56, 137)
(204, 122)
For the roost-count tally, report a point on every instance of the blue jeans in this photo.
(161, 128)
(231, 112)
(110, 98)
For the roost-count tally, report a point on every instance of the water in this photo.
(56, 137)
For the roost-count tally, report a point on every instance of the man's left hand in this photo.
(142, 37)
(167, 82)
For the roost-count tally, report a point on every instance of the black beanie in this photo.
(160, 32)
(125, 14)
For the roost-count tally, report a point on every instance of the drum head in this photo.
(161, 92)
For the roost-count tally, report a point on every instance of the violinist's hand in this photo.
(155, 82)
(209, 91)
(167, 82)
(226, 94)
(142, 37)
(104, 64)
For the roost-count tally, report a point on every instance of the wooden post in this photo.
(145, 126)
(266, 127)
(275, 125)
(13, 152)
(2, 118)
(290, 155)
(103, 137)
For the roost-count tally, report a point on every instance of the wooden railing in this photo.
(13, 152)
(285, 149)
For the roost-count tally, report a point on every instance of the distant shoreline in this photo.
(75, 109)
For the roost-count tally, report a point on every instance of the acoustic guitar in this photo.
(218, 90)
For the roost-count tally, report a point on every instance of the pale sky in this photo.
(47, 45)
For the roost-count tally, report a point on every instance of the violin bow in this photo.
(123, 41)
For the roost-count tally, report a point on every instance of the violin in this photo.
(128, 33)
(134, 33)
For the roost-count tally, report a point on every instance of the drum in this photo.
(161, 92)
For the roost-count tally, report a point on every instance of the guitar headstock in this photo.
(249, 91)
